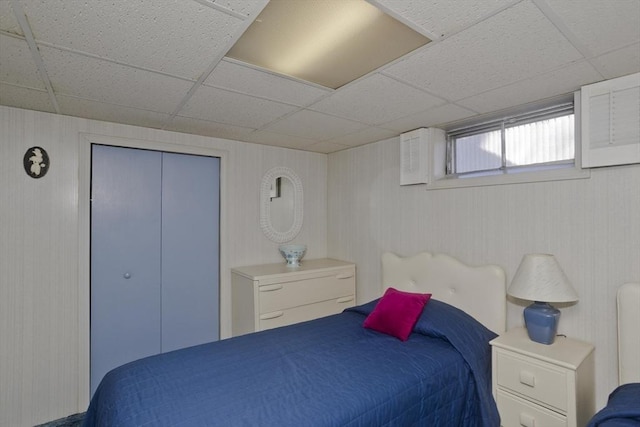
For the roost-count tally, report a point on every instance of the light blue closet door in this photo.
(125, 257)
(190, 250)
(154, 254)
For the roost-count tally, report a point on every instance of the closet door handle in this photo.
(344, 300)
(273, 315)
(344, 275)
(269, 288)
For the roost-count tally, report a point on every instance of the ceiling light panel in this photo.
(327, 42)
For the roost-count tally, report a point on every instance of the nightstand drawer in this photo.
(284, 295)
(303, 313)
(533, 379)
(519, 412)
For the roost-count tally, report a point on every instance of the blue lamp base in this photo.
(541, 320)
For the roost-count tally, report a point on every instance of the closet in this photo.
(154, 254)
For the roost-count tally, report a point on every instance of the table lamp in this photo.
(539, 278)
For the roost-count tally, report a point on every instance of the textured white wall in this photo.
(591, 225)
(41, 304)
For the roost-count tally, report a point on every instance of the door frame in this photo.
(84, 240)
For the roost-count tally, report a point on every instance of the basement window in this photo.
(529, 143)
(536, 140)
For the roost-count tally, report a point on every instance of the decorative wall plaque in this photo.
(36, 162)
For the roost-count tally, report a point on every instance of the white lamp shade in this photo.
(540, 278)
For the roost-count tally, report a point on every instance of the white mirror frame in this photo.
(265, 217)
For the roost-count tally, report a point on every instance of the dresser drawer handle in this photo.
(344, 276)
(527, 420)
(273, 315)
(270, 288)
(527, 378)
(344, 299)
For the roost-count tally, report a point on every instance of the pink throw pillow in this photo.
(397, 313)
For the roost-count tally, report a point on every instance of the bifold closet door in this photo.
(190, 250)
(126, 202)
(154, 254)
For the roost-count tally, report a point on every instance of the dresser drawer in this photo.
(519, 412)
(288, 294)
(275, 319)
(533, 379)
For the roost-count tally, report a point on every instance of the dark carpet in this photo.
(70, 421)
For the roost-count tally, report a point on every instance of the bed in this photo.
(332, 371)
(623, 406)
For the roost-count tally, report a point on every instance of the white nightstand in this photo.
(538, 385)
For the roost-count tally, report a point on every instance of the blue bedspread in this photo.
(622, 410)
(326, 372)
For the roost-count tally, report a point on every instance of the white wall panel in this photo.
(591, 225)
(42, 303)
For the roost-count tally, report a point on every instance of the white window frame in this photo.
(520, 174)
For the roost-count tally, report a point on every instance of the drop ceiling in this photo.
(162, 64)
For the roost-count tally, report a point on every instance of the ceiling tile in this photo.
(243, 7)
(619, 62)
(109, 112)
(104, 81)
(376, 99)
(271, 138)
(435, 116)
(565, 80)
(441, 19)
(20, 97)
(207, 128)
(364, 136)
(232, 108)
(515, 44)
(17, 65)
(173, 36)
(248, 80)
(8, 20)
(326, 147)
(598, 25)
(313, 125)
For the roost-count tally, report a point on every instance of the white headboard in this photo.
(479, 291)
(628, 333)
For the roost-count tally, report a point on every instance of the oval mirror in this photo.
(281, 202)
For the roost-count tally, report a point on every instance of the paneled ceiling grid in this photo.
(161, 64)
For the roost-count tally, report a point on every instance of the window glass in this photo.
(479, 152)
(544, 141)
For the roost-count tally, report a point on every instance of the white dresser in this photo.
(542, 385)
(272, 295)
